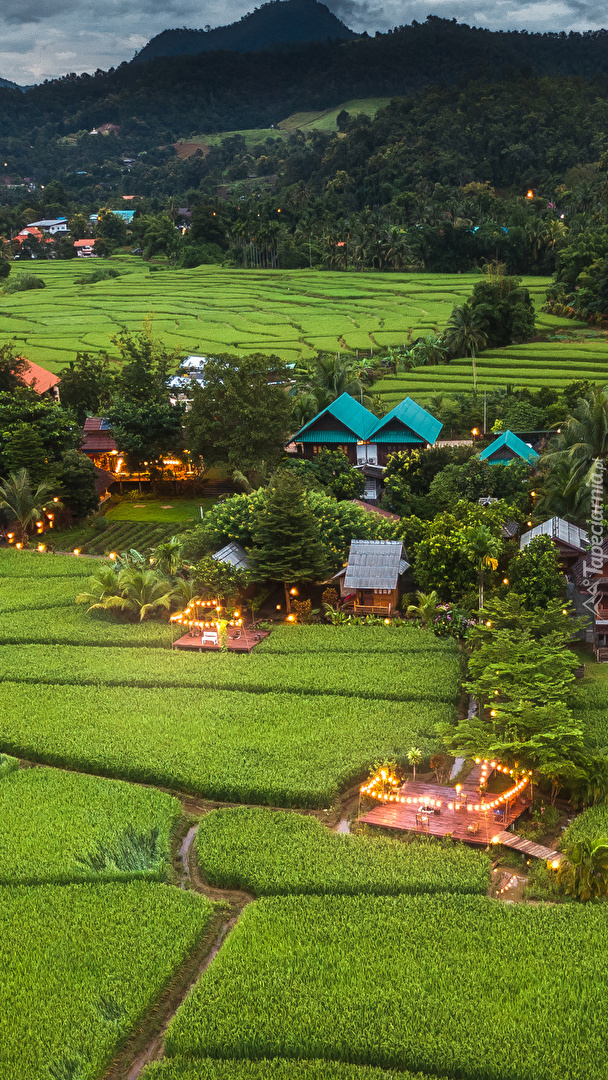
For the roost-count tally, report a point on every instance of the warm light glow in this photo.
(529, 194)
(533, 494)
(291, 618)
(555, 864)
(528, 523)
(505, 581)
(112, 555)
(55, 500)
(19, 545)
(474, 431)
(41, 547)
(278, 607)
(293, 592)
(76, 551)
(489, 622)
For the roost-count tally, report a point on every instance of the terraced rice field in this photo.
(544, 363)
(291, 313)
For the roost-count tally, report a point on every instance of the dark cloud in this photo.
(82, 35)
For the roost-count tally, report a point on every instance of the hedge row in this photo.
(277, 749)
(65, 827)
(456, 985)
(80, 968)
(274, 853)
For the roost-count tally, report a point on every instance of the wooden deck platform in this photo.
(473, 826)
(243, 644)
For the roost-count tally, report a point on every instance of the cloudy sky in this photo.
(41, 39)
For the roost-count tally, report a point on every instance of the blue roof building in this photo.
(506, 448)
(349, 426)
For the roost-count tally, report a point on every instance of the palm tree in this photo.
(330, 375)
(25, 505)
(560, 495)
(414, 756)
(102, 585)
(137, 594)
(167, 557)
(584, 439)
(464, 335)
(427, 607)
(482, 549)
(584, 872)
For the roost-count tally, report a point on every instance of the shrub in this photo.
(24, 282)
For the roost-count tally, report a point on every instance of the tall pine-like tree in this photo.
(286, 544)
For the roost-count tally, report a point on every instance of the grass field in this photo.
(288, 727)
(290, 313)
(80, 965)
(65, 827)
(456, 985)
(326, 120)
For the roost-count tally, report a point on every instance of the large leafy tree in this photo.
(286, 540)
(535, 573)
(54, 425)
(75, 477)
(87, 385)
(21, 501)
(242, 413)
(12, 365)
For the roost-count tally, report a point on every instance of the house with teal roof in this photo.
(347, 425)
(508, 447)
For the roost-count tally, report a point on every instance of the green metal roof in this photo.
(513, 443)
(325, 437)
(412, 416)
(398, 435)
(349, 412)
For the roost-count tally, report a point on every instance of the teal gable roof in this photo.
(420, 425)
(347, 411)
(495, 452)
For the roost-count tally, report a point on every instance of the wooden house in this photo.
(508, 447)
(570, 540)
(370, 583)
(367, 441)
(99, 445)
(341, 426)
(406, 427)
(588, 591)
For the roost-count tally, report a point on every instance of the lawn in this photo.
(462, 986)
(66, 827)
(81, 965)
(159, 511)
(290, 313)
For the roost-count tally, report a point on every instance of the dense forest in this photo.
(447, 177)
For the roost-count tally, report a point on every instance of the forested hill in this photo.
(219, 91)
(277, 23)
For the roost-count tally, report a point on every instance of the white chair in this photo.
(210, 637)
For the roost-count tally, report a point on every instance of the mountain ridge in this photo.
(276, 24)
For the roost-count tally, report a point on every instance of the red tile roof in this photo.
(39, 378)
(375, 509)
(97, 437)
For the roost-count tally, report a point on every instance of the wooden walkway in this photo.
(527, 847)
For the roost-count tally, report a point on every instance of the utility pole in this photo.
(485, 411)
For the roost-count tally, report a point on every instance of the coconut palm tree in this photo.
(25, 505)
(464, 335)
(137, 594)
(481, 548)
(102, 584)
(167, 558)
(584, 439)
(427, 607)
(414, 756)
(330, 375)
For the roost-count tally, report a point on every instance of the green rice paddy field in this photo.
(291, 313)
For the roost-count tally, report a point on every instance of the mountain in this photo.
(280, 22)
(8, 85)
